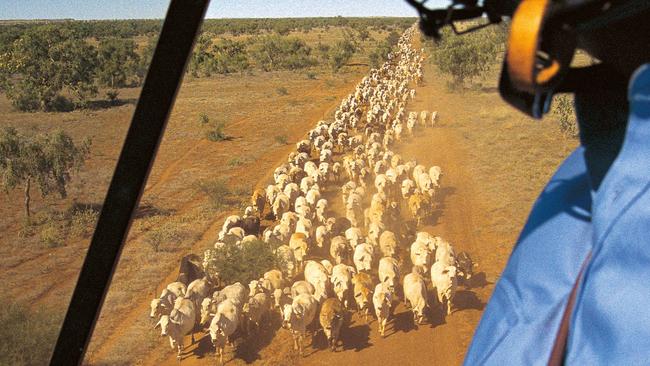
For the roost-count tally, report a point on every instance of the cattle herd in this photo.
(331, 265)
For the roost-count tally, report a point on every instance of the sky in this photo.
(138, 9)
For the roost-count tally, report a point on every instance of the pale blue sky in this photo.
(129, 9)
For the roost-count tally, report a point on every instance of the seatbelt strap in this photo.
(559, 347)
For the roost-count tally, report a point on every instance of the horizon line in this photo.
(207, 18)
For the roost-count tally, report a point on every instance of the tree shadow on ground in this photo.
(146, 209)
(95, 105)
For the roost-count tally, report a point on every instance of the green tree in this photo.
(118, 62)
(392, 38)
(278, 53)
(202, 59)
(145, 59)
(45, 159)
(230, 56)
(341, 53)
(465, 57)
(363, 34)
(379, 54)
(235, 263)
(44, 61)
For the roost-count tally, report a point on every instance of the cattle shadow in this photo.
(478, 280)
(436, 314)
(319, 341)
(403, 322)
(203, 348)
(465, 300)
(355, 337)
(439, 208)
(249, 347)
(245, 347)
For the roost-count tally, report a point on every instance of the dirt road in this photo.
(440, 341)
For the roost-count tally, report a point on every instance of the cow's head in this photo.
(156, 308)
(362, 298)
(287, 316)
(205, 310)
(163, 323)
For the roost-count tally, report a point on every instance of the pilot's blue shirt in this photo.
(590, 228)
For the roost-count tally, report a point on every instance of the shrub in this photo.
(282, 29)
(82, 222)
(218, 193)
(341, 53)
(230, 56)
(62, 104)
(236, 161)
(112, 95)
(565, 113)
(379, 54)
(323, 52)
(170, 233)
(51, 235)
(203, 118)
(281, 139)
(311, 75)
(282, 90)
(217, 133)
(215, 129)
(363, 34)
(392, 38)
(242, 264)
(282, 53)
(469, 56)
(27, 336)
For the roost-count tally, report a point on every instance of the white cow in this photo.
(363, 257)
(389, 272)
(257, 307)
(180, 322)
(164, 304)
(338, 249)
(223, 325)
(415, 292)
(388, 244)
(353, 236)
(322, 236)
(435, 172)
(316, 274)
(280, 205)
(302, 287)
(420, 255)
(275, 277)
(298, 244)
(444, 281)
(342, 282)
(297, 316)
(382, 299)
(445, 253)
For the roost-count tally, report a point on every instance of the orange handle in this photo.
(525, 68)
